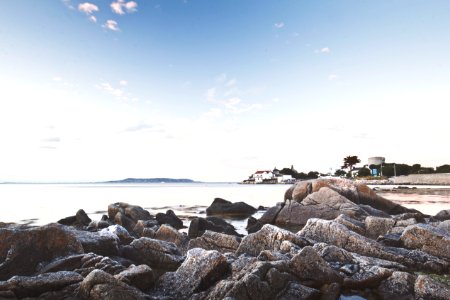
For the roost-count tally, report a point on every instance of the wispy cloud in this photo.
(121, 7)
(111, 25)
(88, 8)
(143, 126)
(93, 19)
(332, 77)
(278, 25)
(123, 83)
(108, 88)
(213, 113)
(323, 50)
(68, 3)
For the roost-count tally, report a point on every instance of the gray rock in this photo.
(442, 215)
(199, 271)
(352, 224)
(428, 289)
(399, 286)
(368, 278)
(127, 215)
(140, 276)
(430, 239)
(169, 234)
(331, 253)
(308, 266)
(119, 232)
(157, 254)
(444, 225)
(198, 226)
(268, 238)
(268, 217)
(22, 249)
(80, 220)
(211, 240)
(224, 207)
(376, 226)
(102, 243)
(33, 286)
(99, 285)
(296, 291)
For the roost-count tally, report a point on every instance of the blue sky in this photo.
(213, 90)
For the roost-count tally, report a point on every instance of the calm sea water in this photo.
(45, 203)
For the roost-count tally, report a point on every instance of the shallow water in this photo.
(45, 203)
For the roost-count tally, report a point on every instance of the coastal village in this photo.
(269, 177)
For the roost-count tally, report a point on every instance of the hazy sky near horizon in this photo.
(214, 90)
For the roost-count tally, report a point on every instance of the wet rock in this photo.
(268, 238)
(198, 227)
(169, 218)
(99, 285)
(324, 204)
(224, 207)
(427, 288)
(376, 226)
(157, 254)
(80, 220)
(199, 271)
(21, 250)
(399, 286)
(430, 239)
(33, 286)
(268, 217)
(141, 277)
(308, 266)
(211, 240)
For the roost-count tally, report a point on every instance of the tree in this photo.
(364, 172)
(313, 174)
(350, 161)
(340, 173)
(443, 169)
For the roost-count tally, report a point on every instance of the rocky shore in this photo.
(343, 239)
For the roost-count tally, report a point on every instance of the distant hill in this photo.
(152, 180)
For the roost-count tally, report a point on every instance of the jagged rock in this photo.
(370, 277)
(118, 231)
(376, 226)
(331, 253)
(296, 291)
(146, 228)
(355, 192)
(102, 243)
(21, 250)
(268, 217)
(199, 271)
(399, 286)
(352, 224)
(324, 204)
(154, 253)
(140, 276)
(427, 288)
(268, 238)
(444, 225)
(99, 285)
(33, 286)
(211, 240)
(224, 207)
(430, 239)
(198, 227)
(80, 220)
(337, 234)
(169, 234)
(371, 211)
(330, 291)
(442, 215)
(308, 266)
(169, 218)
(127, 215)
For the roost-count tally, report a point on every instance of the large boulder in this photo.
(199, 271)
(157, 254)
(127, 215)
(99, 285)
(355, 192)
(376, 226)
(102, 243)
(268, 238)
(169, 218)
(33, 286)
(427, 288)
(80, 220)
(400, 286)
(432, 240)
(442, 215)
(224, 207)
(324, 204)
(140, 276)
(211, 240)
(21, 250)
(198, 226)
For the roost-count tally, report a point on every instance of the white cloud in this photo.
(120, 7)
(88, 8)
(276, 99)
(123, 83)
(279, 25)
(68, 3)
(111, 25)
(93, 19)
(211, 94)
(231, 82)
(221, 78)
(57, 78)
(332, 77)
(107, 87)
(213, 113)
(323, 50)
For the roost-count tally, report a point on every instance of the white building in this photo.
(260, 176)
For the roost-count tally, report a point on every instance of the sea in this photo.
(39, 204)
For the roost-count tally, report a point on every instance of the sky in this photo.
(215, 90)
